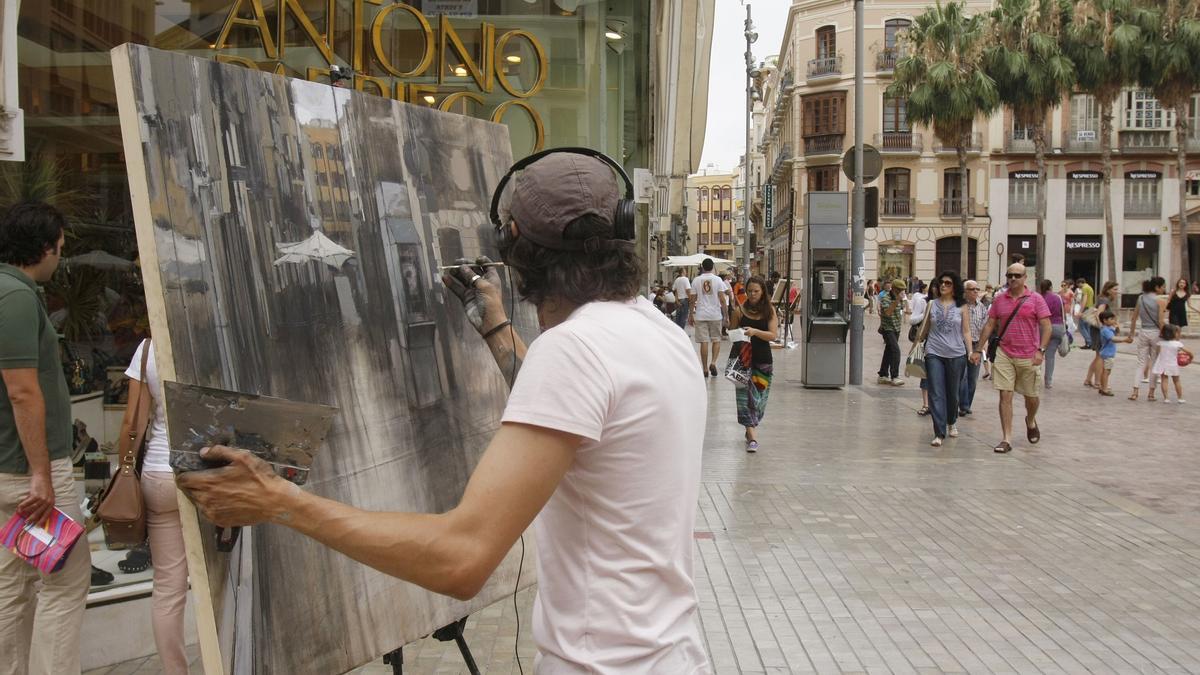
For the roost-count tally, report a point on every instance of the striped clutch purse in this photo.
(44, 546)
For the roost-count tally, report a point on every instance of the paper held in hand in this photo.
(738, 335)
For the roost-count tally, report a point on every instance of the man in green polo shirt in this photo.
(39, 629)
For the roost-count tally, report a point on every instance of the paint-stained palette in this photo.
(290, 235)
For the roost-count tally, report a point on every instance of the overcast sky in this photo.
(725, 138)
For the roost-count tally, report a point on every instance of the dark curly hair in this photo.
(578, 277)
(956, 282)
(28, 231)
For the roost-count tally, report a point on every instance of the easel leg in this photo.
(454, 632)
(395, 659)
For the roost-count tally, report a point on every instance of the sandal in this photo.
(1033, 433)
(1105, 392)
(1002, 447)
(1151, 398)
(923, 410)
(1134, 395)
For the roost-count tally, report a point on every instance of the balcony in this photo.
(885, 60)
(829, 144)
(1193, 141)
(782, 162)
(952, 207)
(1081, 140)
(973, 142)
(1145, 140)
(829, 66)
(1085, 208)
(898, 207)
(1024, 208)
(1143, 208)
(781, 218)
(1015, 145)
(899, 143)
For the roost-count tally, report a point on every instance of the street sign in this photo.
(872, 164)
(768, 206)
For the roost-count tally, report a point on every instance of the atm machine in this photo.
(827, 307)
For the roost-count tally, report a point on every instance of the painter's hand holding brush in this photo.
(478, 286)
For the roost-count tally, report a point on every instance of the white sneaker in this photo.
(1181, 401)
(897, 382)
(884, 380)
(936, 442)
(1145, 379)
(953, 431)
(1166, 400)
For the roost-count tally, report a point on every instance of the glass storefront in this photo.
(895, 261)
(556, 72)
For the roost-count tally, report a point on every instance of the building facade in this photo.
(710, 214)
(808, 118)
(1146, 239)
(626, 77)
(809, 103)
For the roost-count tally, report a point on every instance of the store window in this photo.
(1143, 194)
(1023, 194)
(1084, 190)
(1026, 245)
(1139, 261)
(895, 260)
(578, 70)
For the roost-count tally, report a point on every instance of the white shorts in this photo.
(708, 331)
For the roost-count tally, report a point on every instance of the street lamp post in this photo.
(857, 260)
(751, 38)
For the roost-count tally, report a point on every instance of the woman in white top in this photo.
(162, 517)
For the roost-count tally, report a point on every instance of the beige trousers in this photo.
(1146, 341)
(40, 623)
(170, 569)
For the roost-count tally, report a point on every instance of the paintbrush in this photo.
(451, 268)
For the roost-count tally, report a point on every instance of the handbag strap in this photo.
(1013, 315)
(135, 448)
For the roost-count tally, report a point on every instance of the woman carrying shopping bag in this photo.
(757, 318)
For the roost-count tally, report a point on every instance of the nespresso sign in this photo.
(442, 56)
(1085, 175)
(1024, 174)
(1086, 244)
(1143, 175)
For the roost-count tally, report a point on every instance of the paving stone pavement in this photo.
(849, 545)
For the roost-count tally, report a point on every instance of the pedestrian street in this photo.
(848, 544)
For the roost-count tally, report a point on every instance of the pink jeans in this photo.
(170, 568)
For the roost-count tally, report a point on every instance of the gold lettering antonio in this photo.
(377, 74)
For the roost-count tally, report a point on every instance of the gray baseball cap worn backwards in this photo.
(556, 190)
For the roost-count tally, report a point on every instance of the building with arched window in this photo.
(710, 207)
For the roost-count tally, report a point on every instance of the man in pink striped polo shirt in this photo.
(1022, 320)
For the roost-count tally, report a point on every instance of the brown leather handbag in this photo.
(122, 510)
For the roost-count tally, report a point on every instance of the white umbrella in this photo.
(317, 247)
(100, 260)
(693, 260)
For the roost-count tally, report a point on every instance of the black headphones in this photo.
(624, 217)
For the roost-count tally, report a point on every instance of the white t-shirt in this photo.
(615, 581)
(158, 453)
(708, 303)
(681, 287)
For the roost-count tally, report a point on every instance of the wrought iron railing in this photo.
(953, 206)
(1143, 208)
(899, 141)
(825, 67)
(829, 144)
(1085, 208)
(1145, 140)
(972, 141)
(885, 60)
(898, 206)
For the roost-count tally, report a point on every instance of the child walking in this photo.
(1168, 360)
(1108, 348)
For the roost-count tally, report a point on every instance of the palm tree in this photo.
(1104, 44)
(944, 80)
(1025, 58)
(1170, 72)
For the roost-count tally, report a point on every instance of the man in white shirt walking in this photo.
(707, 299)
(681, 287)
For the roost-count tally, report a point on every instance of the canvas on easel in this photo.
(290, 236)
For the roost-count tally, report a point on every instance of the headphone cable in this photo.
(512, 334)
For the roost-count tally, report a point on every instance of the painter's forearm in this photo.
(29, 413)
(508, 349)
(416, 547)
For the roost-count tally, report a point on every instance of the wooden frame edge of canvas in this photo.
(143, 219)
